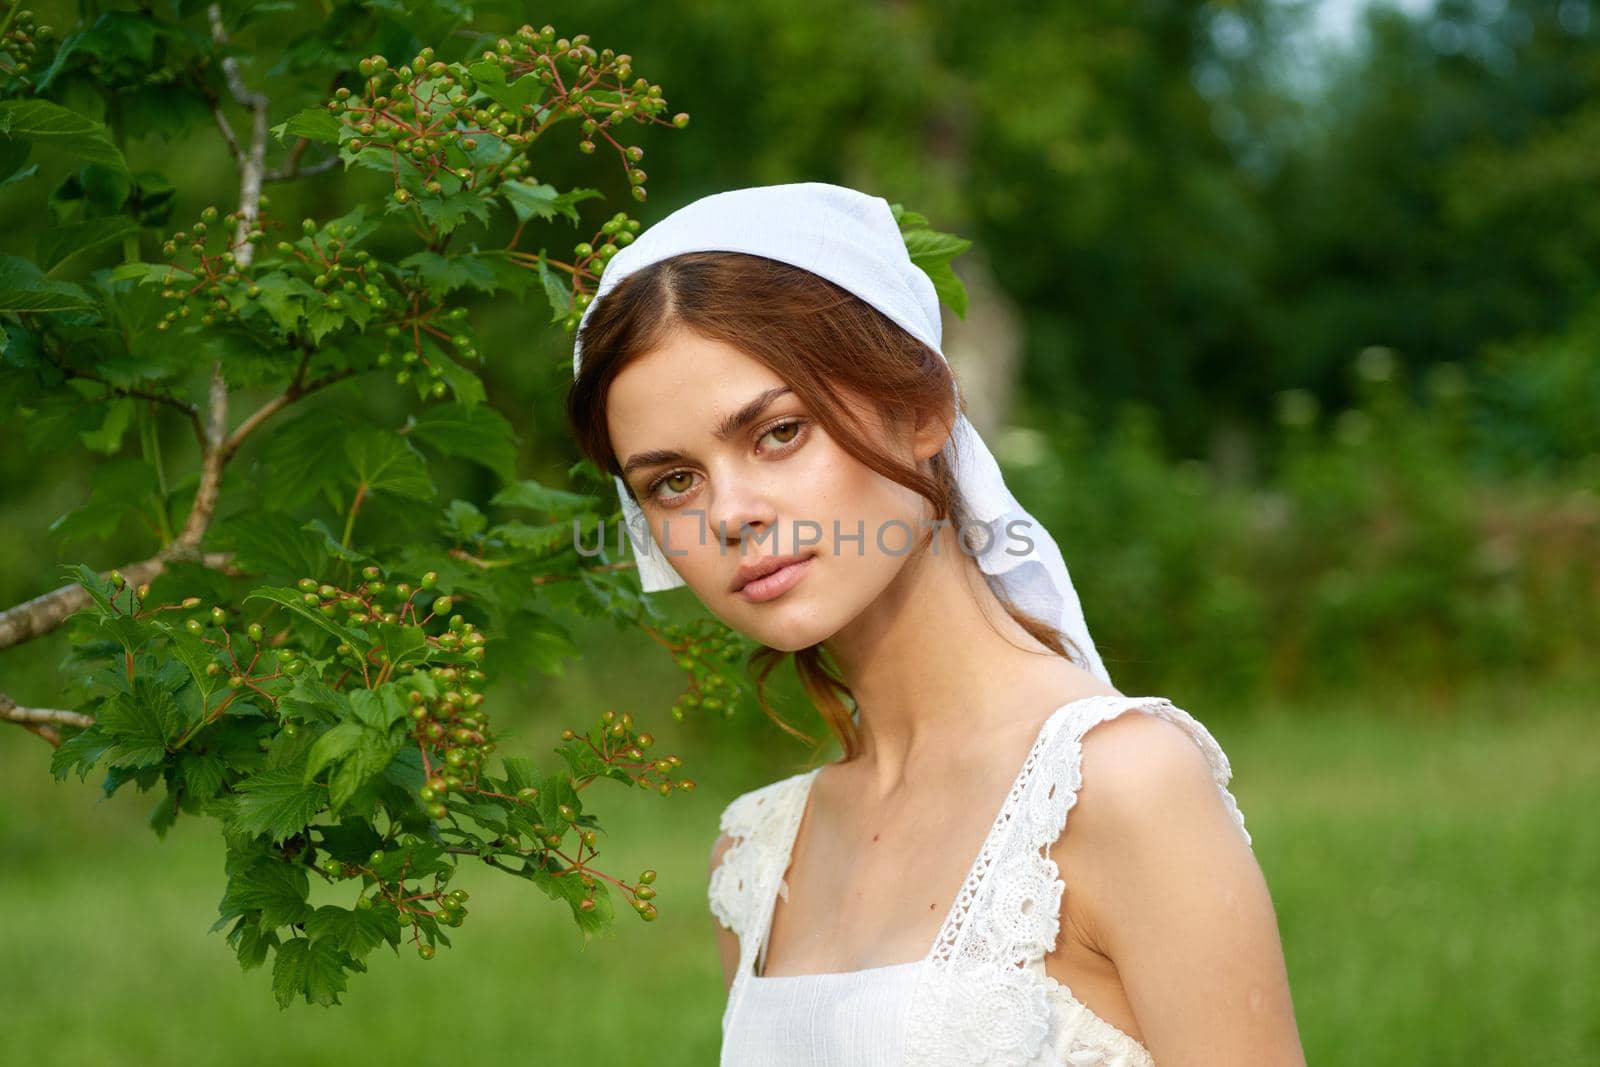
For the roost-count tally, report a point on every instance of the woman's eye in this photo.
(785, 431)
(670, 483)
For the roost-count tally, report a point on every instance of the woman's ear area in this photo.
(932, 430)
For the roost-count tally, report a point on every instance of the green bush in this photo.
(1405, 543)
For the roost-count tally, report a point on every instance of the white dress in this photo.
(981, 995)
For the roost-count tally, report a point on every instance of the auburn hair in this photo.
(836, 352)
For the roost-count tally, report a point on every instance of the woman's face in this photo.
(731, 470)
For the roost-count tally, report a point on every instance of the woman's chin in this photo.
(787, 628)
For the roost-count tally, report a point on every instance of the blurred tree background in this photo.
(1289, 336)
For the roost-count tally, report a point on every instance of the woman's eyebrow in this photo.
(731, 425)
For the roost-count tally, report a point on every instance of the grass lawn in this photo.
(1437, 887)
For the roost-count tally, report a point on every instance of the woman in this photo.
(761, 372)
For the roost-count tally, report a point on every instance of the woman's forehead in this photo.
(689, 383)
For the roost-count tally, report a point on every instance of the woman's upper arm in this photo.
(1173, 895)
(727, 940)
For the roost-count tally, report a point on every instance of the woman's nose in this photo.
(740, 508)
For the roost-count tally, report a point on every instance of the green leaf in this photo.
(164, 814)
(57, 244)
(360, 753)
(278, 890)
(556, 503)
(117, 488)
(478, 433)
(277, 803)
(463, 521)
(195, 654)
(557, 291)
(532, 200)
(333, 746)
(445, 213)
(251, 943)
(540, 540)
(491, 81)
(351, 840)
(294, 464)
(321, 320)
(313, 969)
(58, 297)
(384, 462)
(314, 124)
(404, 644)
(81, 751)
(933, 251)
(140, 725)
(100, 590)
(572, 890)
(443, 275)
(14, 161)
(466, 386)
(283, 298)
(108, 437)
(520, 773)
(313, 699)
(203, 775)
(357, 932)
(360, 748)
(270, 542)
(905, 219)
(40, 120)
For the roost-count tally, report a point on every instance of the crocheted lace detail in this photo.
(1083, 1039)
(757, 823)
(983, 998)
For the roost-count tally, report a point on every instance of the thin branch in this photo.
(230, 66)
(189, 410)
(251, 166)
(283, 174)
(252, 163)
(42, 614)
(226, 129)
(291, 168)
(49, 733)
(211, 464)
(11, 711)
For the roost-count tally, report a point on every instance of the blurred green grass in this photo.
(1435, 881)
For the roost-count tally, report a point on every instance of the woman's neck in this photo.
(936, 661)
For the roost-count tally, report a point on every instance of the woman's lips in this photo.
(777, 583)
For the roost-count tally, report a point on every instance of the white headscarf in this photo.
(852, 240)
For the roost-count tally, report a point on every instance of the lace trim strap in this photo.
(760, 824)
(1084, 717)
(985, 998)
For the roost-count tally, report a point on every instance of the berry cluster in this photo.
(453, 729)
(614, 744)
(407, 340)
(19, 40)
(388, 870)
(589, 259)
(612, 748)
(203, 273)
(703, 649)
(428, 120)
